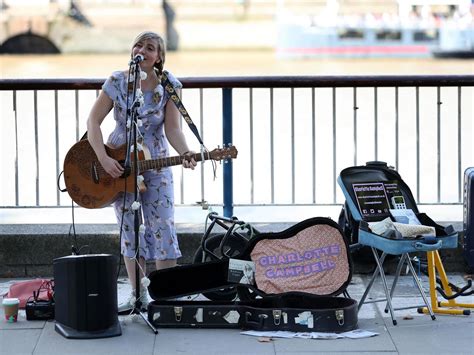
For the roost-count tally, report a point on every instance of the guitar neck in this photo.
(169, 161)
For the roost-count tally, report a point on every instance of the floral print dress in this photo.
(158, 240)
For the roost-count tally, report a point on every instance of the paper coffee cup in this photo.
(10, 307)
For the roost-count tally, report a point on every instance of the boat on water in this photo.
(455, 41)
(421, 29)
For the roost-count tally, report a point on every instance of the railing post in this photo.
(227, 140)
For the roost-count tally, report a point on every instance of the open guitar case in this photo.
(362, 207)
(295, 280)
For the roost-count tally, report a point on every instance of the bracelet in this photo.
(186, 152)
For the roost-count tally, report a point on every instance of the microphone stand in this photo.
(133, 143)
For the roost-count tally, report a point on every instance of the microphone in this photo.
(137, 59)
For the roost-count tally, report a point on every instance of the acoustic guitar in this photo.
(91, 187)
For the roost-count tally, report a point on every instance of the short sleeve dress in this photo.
(158, 240)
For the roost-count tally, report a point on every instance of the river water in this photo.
(220, 63)
(223, 63)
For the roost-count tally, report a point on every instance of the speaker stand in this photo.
(137, 311)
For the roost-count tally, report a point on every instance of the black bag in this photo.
(468, 220)
(298, 273)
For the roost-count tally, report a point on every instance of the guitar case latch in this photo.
(340, 316)
(277, 316)
(178, 312)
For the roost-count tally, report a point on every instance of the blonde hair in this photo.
(146, 35)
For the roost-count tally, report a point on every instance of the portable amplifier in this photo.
(39, 310)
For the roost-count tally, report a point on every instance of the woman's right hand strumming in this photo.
(111, 166)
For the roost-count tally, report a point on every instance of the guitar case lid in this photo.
(311, 257)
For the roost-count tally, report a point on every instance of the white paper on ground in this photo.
(353, 334)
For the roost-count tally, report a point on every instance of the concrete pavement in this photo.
(414, 334)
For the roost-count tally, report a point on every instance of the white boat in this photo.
(455, 41)
(418, 30)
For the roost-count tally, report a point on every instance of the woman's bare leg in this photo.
(164, 264)
(130, 266)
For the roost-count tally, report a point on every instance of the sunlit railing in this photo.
(293, 134)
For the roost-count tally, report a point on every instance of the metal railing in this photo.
(294, 134)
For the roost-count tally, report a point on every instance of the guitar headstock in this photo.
(223, 153)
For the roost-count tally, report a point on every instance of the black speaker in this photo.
(85, 294)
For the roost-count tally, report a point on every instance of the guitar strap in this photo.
(179, 104)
